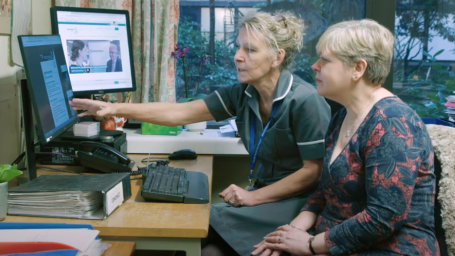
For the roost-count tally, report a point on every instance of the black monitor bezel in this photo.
(41, 135)
(54, 25)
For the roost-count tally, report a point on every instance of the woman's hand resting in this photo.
(236, 196)
(284, 239)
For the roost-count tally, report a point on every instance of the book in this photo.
(70, 196)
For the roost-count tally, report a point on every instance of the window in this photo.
(194, 32)
(424, 59)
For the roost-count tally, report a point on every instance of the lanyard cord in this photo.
(254, 153)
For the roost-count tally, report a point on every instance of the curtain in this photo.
(166, 18)
(153, 39)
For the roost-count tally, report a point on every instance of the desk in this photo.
(153, 226)
(119, 248)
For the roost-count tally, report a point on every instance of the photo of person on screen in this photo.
(115, 63)
(79, 57)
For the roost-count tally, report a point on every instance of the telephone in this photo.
(103, 158)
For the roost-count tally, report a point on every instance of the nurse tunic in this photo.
(296, 133)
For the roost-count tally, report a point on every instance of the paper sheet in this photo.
(77, 238)
(233, 124)
(21, 24)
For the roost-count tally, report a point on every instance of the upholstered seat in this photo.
(443, 140)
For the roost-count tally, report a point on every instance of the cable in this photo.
(156, 160)
(57, 170)
(141, 170)
(19, 158)
(161, 160)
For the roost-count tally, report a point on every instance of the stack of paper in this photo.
(70, 196)
(86, 129)
(74, 204)
(229, 130)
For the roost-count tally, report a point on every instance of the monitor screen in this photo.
(98, 50)
(49, 84)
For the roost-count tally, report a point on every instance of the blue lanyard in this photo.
(254, 153)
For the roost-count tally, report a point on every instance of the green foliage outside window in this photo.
(423, 82)
(221, 73)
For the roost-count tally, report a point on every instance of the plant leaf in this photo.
(437, 53)
(8, 172)
(4, 167)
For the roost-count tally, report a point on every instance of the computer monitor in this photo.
(48, 89)
(48, 84)
(98, 49)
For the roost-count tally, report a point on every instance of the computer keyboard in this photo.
(169, 184)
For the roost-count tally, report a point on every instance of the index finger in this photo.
(259, 248)
(79, 102)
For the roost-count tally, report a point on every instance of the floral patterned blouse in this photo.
(377, 197)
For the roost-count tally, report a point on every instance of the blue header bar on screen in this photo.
(40, 40)
(90, 23)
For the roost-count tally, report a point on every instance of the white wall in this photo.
(9, 112)
(10, 134)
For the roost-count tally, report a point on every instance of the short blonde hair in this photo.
(282, 30)
(355, 40)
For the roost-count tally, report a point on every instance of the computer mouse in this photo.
(183, 154)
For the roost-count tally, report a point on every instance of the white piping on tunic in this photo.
(287, 91)
(222, 103)
(279, 98)
(249, 95)
(310, 142)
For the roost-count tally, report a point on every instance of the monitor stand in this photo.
(69, 135)
(27, 123)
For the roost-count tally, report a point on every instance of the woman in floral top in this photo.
(376, 195)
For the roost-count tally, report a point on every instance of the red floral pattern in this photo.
(377, 197)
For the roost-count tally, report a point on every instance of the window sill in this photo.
(209, 142)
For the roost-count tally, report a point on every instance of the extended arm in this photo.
(169, 114)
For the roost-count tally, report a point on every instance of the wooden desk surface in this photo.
(136, 218)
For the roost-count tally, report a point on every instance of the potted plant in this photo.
(7, 172)
(179, 53)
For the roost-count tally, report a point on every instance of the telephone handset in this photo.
(103, 158)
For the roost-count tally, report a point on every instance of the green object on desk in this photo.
(156, 129)
(8, 172)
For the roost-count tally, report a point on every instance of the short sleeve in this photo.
(311, 118)
(223, 103)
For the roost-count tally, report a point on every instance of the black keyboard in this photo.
(169, 184)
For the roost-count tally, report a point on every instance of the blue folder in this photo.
(26, 225)
(46, 253)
